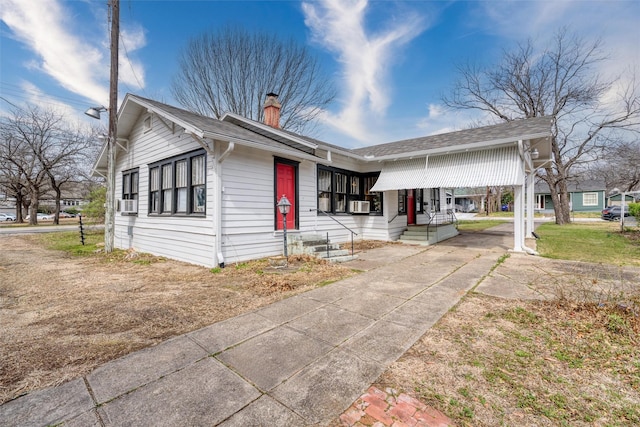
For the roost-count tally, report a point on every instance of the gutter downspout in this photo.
(217, 220)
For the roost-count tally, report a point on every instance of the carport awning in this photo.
(494, 167)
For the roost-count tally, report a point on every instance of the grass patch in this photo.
(590, 242)
(578, 364)
(478, 225)
(69, 241)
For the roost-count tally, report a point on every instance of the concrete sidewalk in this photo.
(300, 361)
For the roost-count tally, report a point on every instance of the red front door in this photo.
(286, 185)
(411, 208)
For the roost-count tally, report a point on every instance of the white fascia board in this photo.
(270, 129)
(252, 144)
(456, 148)
(96, 164)
(185, 125)
(344, 152)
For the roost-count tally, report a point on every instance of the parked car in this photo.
(41, 216)
(7, 217)
(612, 213)
(64, 214)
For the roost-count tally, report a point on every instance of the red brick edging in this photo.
(377, 408)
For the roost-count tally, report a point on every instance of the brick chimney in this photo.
(272, 111)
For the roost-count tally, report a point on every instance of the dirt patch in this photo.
(63, 315)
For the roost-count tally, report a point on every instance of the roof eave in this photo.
(253, 144)
(457, 148)
(267, 128)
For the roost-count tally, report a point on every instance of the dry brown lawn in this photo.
(63, 315)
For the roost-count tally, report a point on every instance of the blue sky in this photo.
(390, 60)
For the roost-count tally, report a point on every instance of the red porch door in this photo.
(411, 207)
(286, 185)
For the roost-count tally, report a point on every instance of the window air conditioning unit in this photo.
(129, 206)
(359, 206)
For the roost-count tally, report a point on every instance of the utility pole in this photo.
(109, 226)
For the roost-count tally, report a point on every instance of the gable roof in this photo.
(201, 126)
(574, 186)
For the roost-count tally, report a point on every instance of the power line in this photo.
(19, 92)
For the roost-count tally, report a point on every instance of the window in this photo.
(130, 185)
(373, 197)
(540, 202)
(590, 199)
(198, 177)
(419, 194)
(324, 190)
(167, 187)
(338, 187)
(435, 199)
(130, 190)
(181, 186)
(178, 185)
(402, 201)
(147, 123)
(340, 203)
(154, 188)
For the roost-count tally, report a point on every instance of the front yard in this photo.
(66, 309)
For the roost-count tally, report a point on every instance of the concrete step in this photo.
(343, 258)
(333, 253)
(323, 247)
(415, 233)
(422, 237)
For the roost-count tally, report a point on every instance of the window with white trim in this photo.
(178, 185)
(590, 199)
(540, 198)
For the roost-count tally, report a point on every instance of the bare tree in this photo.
(560, 82)
(41, 153)
(620, 166)
(232, 71)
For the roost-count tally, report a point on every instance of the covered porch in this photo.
(506, 155)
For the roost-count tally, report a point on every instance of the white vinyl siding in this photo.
(186, 238)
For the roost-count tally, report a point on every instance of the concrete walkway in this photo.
(300, 361)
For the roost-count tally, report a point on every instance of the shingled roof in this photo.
(518, 129)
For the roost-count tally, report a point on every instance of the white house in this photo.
(204, 190)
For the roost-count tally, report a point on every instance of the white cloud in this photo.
(339, 26)
(47, 28)
(615, 23)
(131, 70)
(440, 119)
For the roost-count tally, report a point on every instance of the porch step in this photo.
(418, 234)
(317, 246)
(332, 253)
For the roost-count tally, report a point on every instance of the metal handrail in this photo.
(450, 216)
(394, 217)
(344, 226)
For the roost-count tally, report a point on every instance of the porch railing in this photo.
(341, 224)
(442, 218)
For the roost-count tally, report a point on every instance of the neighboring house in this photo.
(470, 199)
(204, 190)
(615, 199)
(584, 196)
